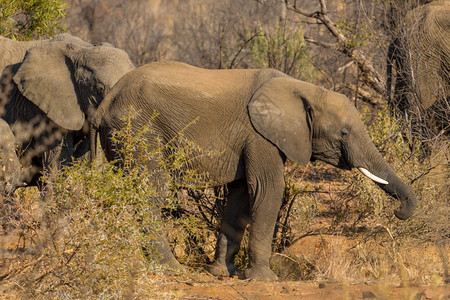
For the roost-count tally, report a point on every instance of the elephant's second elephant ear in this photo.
(281, 115)
(45, 77)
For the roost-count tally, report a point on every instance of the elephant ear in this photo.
(280, 114)
(45, 77)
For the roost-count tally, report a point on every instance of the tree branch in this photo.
(300, 11)
(334, 46)
(243, 46)
(368, 73)
(365, 96)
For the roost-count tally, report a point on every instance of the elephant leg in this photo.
(157, 247)
(263, 219)
(66, 155)
(235, 220)
(81, 149)
(265, 185)
(159, 250)
(60, 155)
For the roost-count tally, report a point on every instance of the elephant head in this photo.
(58, 84)
(307, 122)
(64, 79)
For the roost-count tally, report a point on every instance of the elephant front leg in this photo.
(60, 154)
(235, 220)
(266, 184)
(263, 218)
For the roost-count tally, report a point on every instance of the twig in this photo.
(25, 266)
(426, 172)
(243, 46)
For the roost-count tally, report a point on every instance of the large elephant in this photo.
(419, 64)
(9, 163)
(50, 94)
(255, 119)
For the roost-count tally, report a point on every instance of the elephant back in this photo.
(183, 85)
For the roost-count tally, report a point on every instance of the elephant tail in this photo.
(93, 133)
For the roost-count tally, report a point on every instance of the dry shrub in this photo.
(81, 237)
(84, 234)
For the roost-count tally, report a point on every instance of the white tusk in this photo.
(373, 177)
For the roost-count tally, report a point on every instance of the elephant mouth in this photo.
(343, 164)
(372, 176)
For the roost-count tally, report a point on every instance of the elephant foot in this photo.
(160, 252)
(171, 262)
(260, 273)
(218, 269)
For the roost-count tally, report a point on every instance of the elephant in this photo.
(9, 163)
(51, 92)
(254, 119)
(419, 63)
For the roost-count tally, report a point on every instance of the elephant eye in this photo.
(99, 89)
(344, 132)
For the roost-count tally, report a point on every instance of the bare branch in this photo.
(243, 47)
(365, 95)
(323, 7)
(334, 46)
(298, 10)
(368, 73)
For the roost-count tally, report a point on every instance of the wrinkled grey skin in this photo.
(13, 51)
(257, 118)
(9, 163)
(419, 64)
(50, 94)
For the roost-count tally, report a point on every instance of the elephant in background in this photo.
(50, 94)
(420, 57)
(9, 163)
(255, 119)
(13, 51)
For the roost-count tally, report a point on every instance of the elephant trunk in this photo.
(376, 168)
(398, 189)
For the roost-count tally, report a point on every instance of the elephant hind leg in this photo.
(157, 247)
(159, 250)
(235, 220)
